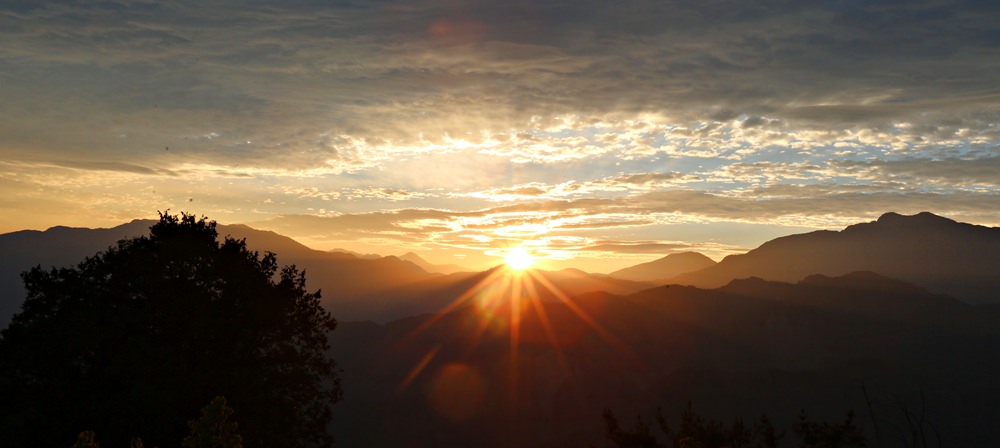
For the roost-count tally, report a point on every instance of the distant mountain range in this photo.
(436, 268)
(944, 256)
(826, 345)
(658, 271)
(436, 293)
(353, 288)
(880, 317)
(338, 274)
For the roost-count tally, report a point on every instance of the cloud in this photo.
(970, 173)
(820, 206)
(637, 247)
(437, 121)
(572, 189)
(112, 166)
(286, 74)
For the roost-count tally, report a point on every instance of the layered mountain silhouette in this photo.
(339, 275)
(353, 288)
(434, 294)
(664, 268)
(962, 260)
(429, 267)
(824, 344)
(931, 251)
(867, 318)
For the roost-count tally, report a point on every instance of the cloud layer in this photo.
(589, 117)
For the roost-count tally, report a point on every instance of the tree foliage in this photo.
(695, 431)
(828, 435)
(137, 337)
(213, 429)
(86, 439)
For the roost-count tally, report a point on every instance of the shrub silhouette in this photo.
(826, 435)
(86, 439)
(694, 431)
(213, 429)
(133, 338)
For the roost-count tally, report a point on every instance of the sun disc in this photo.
(519, 259)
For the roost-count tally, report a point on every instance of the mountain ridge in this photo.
(748, 347)
(430, 267)
(928, 250)
(338, 275)
(664, 268)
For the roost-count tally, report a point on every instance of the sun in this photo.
(519, 259)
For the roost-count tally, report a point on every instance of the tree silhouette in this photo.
(86, 439)
(826, 435)
(695, 431)
(136, 338)
(213, 429)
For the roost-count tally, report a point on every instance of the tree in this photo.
(694, 431)
(86, 439)
(137, 337)
(826, 435)
(213, 429)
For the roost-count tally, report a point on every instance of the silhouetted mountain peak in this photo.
(919, 219)
(430, 267)
(410, 256)
(575, 271)
(666, 267)
(942, 255)
(344, 253)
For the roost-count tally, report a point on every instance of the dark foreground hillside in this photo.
(747, 348)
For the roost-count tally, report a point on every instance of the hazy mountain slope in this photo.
(57, 246)
(669, 266)
(435, 294)
(436, 268)
(753, 346)
(339, 275)
(353, 288)
(945, 256)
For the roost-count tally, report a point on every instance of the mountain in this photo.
(438, 293)
(670, 266)
(944, 256)
(354, 254)
(58, 246)
(437, 268)
(342, 277)
(353, 288)
(825, 345)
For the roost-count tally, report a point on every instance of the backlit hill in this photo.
(338, 274)
(664, 268)
(959, 259)
(353, 288)
(812, 321)
(750, 347)
(434, 294)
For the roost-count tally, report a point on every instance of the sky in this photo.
(595, 134)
